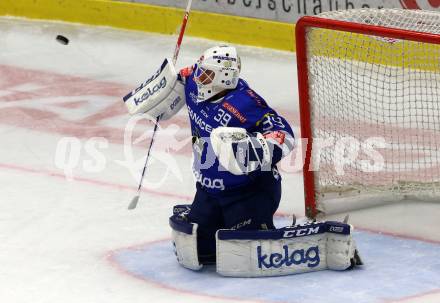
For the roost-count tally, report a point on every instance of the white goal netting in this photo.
(375, 110)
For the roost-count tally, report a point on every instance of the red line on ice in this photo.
(397, 235)
(418, 296)
(110, 256)
(40, 100)
(57, 175)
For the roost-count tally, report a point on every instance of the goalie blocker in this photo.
(163, 94)
(290, 250)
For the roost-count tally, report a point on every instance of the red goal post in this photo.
(392, 41)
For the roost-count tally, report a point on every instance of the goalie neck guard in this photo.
(217, 69)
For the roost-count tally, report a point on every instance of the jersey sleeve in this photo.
(275, 128)
(278, 133)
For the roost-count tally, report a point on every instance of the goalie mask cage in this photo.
(369, 90)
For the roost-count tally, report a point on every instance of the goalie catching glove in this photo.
(163, 94)
(241, 152)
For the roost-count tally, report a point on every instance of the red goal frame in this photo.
(302, 25)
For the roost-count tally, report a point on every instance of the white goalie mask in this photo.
(217, 69)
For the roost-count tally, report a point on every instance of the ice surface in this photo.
(66, 234)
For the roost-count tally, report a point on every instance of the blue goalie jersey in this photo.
(241, 107)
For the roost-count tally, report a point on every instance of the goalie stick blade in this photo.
(134, 202)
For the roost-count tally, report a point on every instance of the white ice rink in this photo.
(67, 177)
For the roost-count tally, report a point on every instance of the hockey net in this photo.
(369, 86)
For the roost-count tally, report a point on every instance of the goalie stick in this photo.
(135, 199)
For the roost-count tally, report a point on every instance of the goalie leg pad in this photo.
(184, 237)
(340, 251)
(181, 209)
(290, 250)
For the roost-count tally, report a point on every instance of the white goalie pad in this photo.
(232, 146)
(290, 250)
(184, 237)
(173, 103)
(161, 94)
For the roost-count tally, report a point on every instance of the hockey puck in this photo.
(63, 40)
